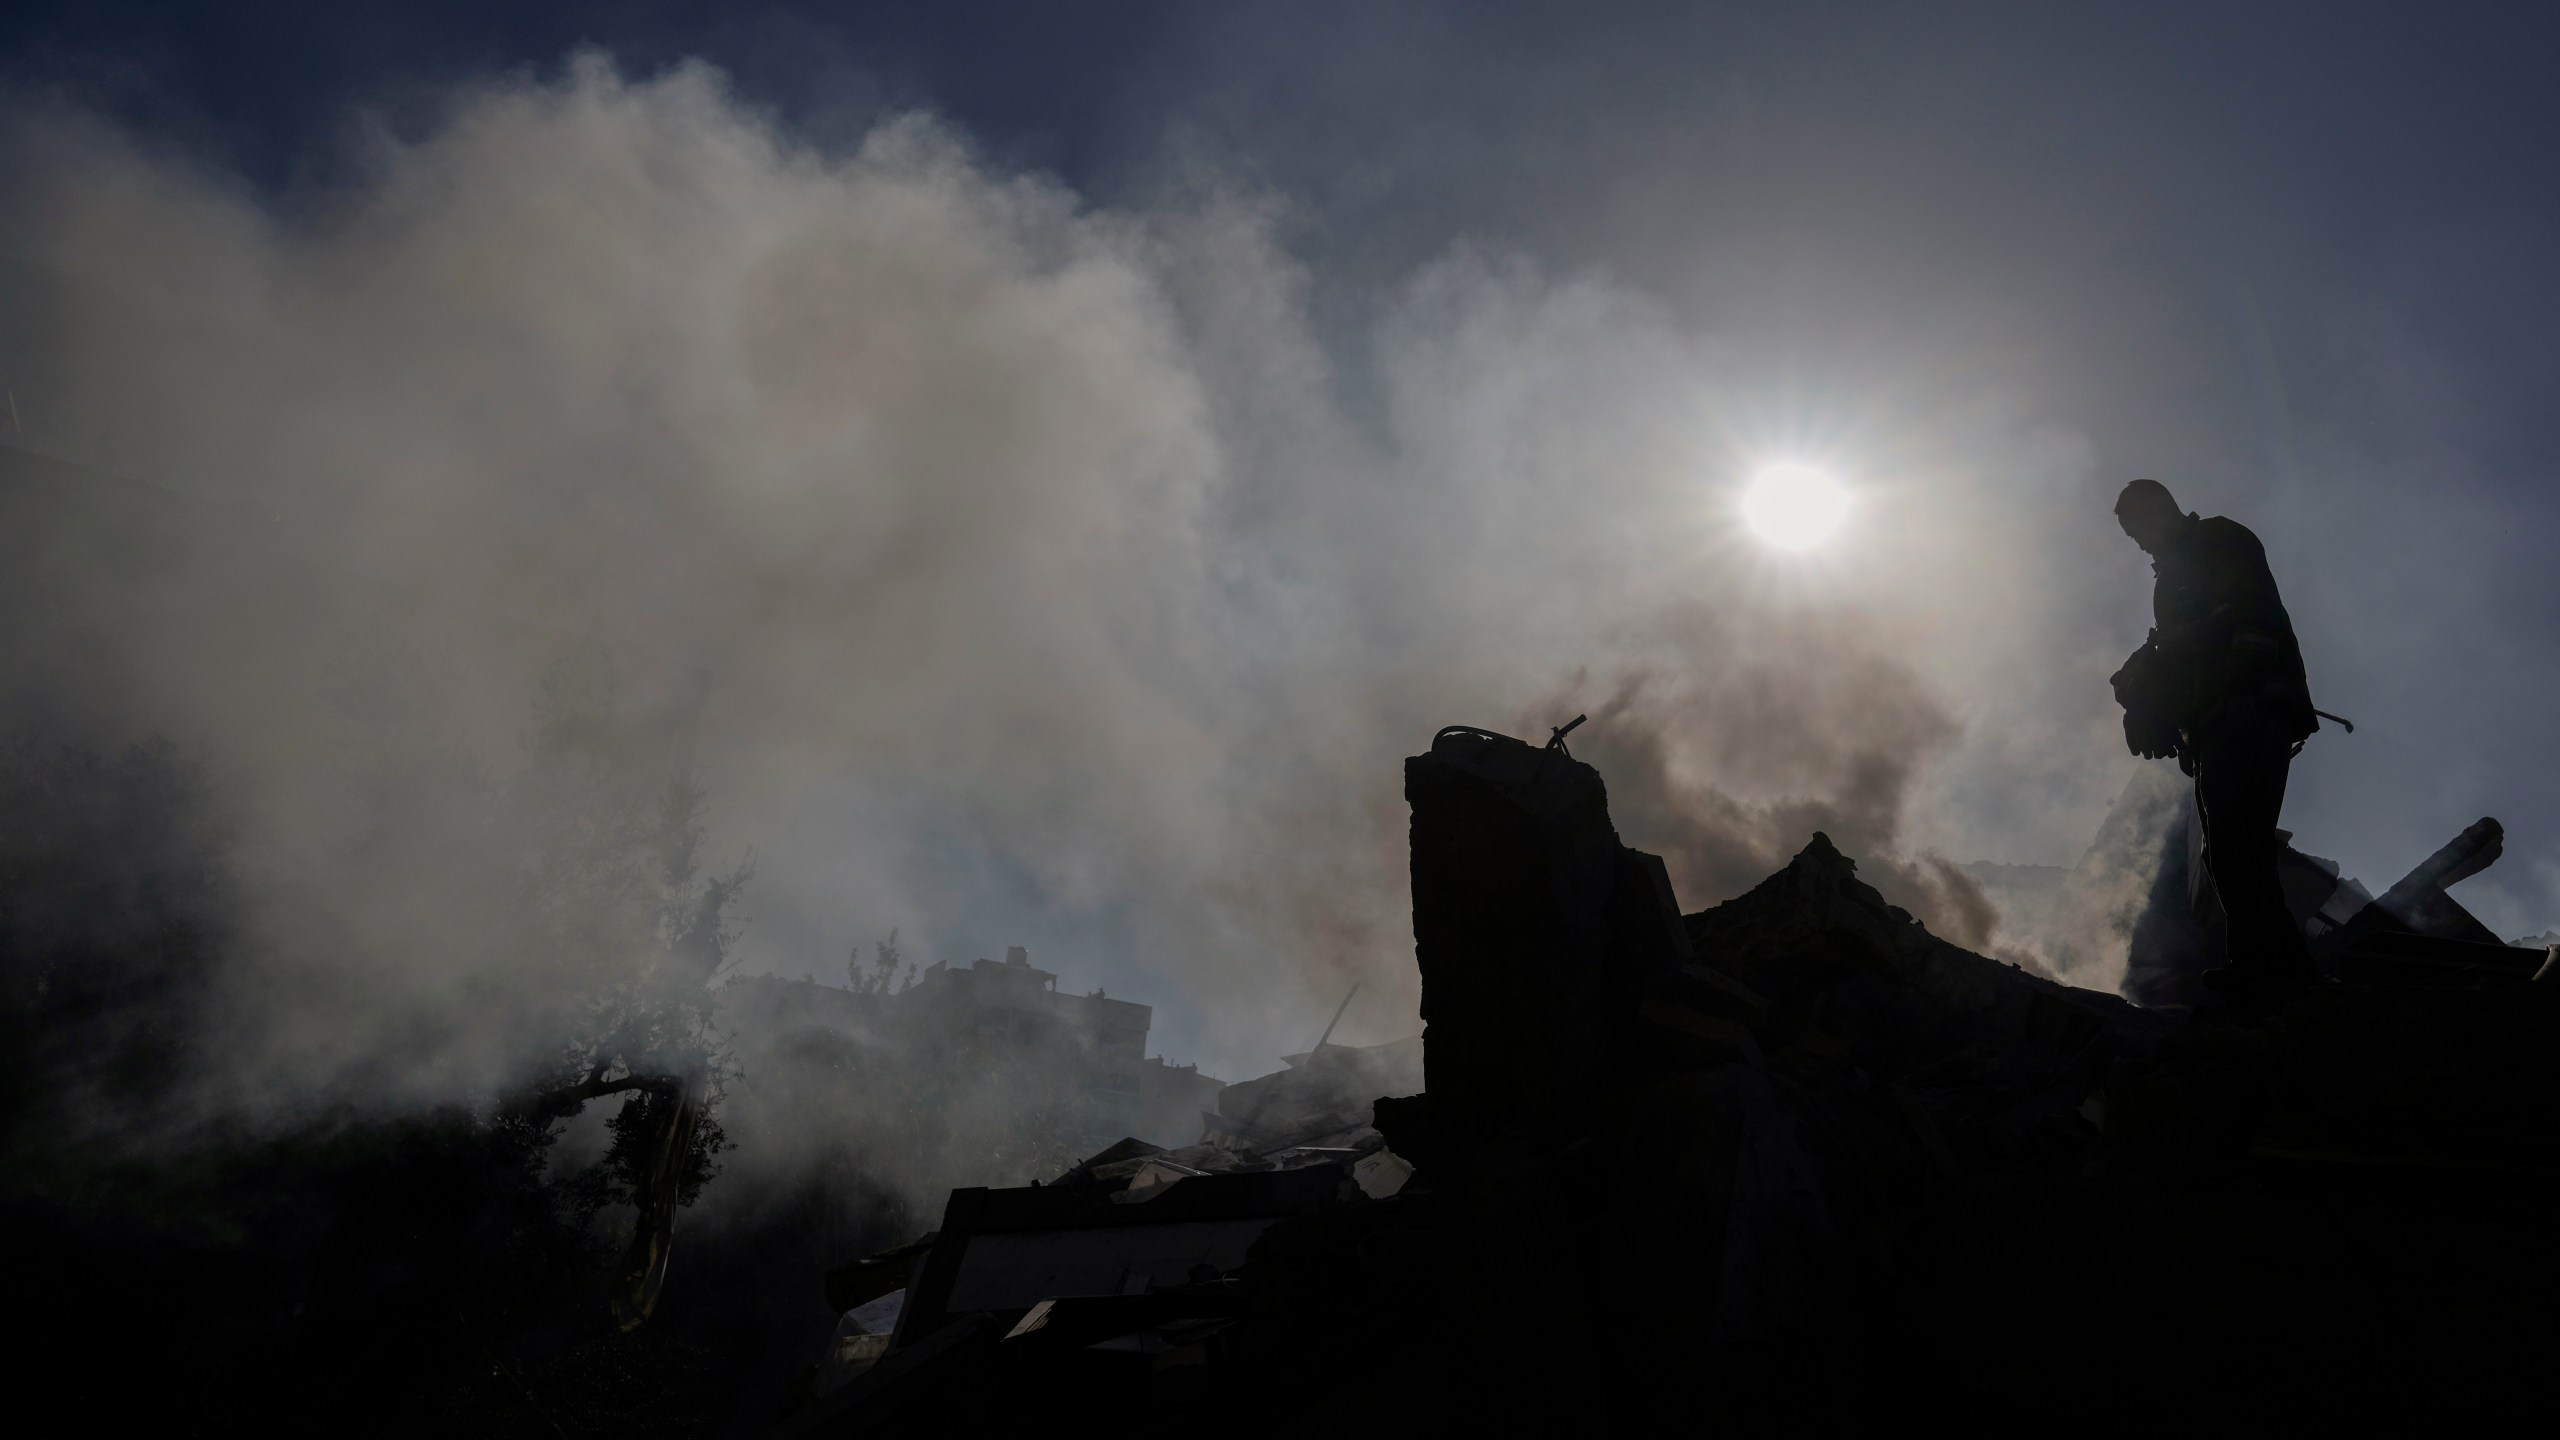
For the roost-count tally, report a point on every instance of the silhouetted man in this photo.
(2219, 684)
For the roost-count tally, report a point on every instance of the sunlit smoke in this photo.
(1048, 576)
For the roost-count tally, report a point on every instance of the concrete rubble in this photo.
(2142, 885)
(1789, 1165)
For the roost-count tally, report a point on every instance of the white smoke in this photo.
(1052, 575)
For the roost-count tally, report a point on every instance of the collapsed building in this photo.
(1324, 1093)
(1788, 1165)
(992, 1036)
(2140, 896)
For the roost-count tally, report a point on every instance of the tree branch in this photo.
(569, 1097)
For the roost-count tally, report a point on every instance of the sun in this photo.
(1794, 507)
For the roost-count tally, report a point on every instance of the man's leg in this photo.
(2240, 782)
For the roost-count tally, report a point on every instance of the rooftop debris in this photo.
(2142, 883)
(1791, 1165)
(1321, 1099)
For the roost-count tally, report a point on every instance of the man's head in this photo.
(2149, 514)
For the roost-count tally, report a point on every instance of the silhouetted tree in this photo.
(881, 976)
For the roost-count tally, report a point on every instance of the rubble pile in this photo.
(1789, 1165)
(2414, 933)
(1322, 1099)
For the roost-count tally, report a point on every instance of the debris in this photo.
(850, 1351)
(857, 1283)
(2419, 901)
(877, 1317)
(2176, 933)
(1321, 1099)
(2416, 934)
(1381, 1173)
(1789, 1164)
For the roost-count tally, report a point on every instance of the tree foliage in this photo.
(881, 977)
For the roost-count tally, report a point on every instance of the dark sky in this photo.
(2293, 259)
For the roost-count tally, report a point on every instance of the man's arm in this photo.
(2241, 641)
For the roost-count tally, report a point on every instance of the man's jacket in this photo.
(2221, 644)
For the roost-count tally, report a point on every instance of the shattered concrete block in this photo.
(1515, 868)
(1381, 1173)
(1533, 927)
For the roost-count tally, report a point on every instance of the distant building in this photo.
(1009, 1021)
(1175, 1103)
(993, 1046)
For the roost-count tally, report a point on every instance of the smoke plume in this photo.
(1019, 569)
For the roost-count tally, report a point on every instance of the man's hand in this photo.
(2148, 736)
(2142, 688)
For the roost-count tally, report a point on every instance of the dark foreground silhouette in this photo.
(1791, 1165)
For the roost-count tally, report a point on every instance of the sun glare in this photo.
(1793, 507)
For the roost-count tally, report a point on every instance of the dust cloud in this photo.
(1010, 567)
